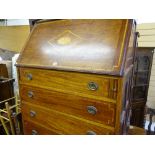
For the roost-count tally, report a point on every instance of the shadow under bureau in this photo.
(75, 77)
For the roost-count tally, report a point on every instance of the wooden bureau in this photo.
(75, 77)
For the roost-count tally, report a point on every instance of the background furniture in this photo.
(10, 117)
(6, 85)
(3, 71)
(6, 91)
(75, 77)
(142, 70)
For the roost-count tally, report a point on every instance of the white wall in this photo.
(15, 22)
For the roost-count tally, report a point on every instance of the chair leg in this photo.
(10, 119)
(4, 125)
(17, 111)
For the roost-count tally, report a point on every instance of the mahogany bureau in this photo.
(75, 77)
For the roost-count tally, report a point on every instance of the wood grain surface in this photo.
(77, 45)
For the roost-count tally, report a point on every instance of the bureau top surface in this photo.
(94, 46)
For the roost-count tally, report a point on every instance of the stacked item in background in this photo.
(9, 94)
(9, 59)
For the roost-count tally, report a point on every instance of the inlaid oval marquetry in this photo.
(64, 41)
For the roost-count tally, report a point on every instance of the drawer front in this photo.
(90, 85)
(31, 128)
(94, 110)
(62, 123)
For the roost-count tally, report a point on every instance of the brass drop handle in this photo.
(34, 132)
(92, 86)
(29, 76)
(32, 113)
(92, 110)
(91, 133)
(30, 94)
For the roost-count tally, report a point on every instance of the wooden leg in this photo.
(4, 125)
(10, 119)
(17, 112)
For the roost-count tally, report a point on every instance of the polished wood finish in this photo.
(31, 128)
(74, 105)
(74, 76)
(141, 78)
(63, 123)
(77, 44)
(71, 82)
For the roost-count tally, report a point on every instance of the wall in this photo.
(147, 39)
(13, 22)
(147, 35)
(13, 38)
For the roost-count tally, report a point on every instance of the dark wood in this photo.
(32, 22)
(138, 113)
(142, 70)
(3, 71)
(6, 86)
(6, 91)
(75, 77)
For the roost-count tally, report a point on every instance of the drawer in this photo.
(62, 123)
(31, 128)
(90, 85)
(94, 110)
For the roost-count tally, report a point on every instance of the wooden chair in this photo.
(8, 115)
